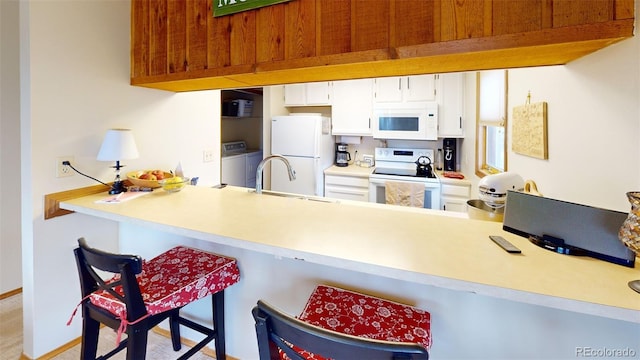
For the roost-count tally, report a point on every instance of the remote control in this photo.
(506, 245)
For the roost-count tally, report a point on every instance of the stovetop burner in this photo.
(403, 163)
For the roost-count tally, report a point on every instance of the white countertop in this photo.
(423, 246)
(358, 171)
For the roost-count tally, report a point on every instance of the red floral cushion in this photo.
(362, 315)
(175, 278)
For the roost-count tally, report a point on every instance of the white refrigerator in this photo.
(306, 141)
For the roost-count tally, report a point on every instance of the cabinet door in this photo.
(451, 105)
(346, 187)
(388, 89)
(454, 204)
(347, 194)
(351, 107)
(420, 88)
(318, 93)
(234, 170)
(295, 95)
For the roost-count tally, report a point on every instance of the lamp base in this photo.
(635, 285)
(117, 188)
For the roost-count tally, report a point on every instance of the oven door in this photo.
(431, 193)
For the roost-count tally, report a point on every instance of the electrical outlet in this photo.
(64, 170)
(207, 155)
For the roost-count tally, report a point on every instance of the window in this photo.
(491, 122)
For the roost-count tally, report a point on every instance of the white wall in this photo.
(593, 127)
(10, 264)
(75, 86)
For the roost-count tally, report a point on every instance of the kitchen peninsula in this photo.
(284, 245)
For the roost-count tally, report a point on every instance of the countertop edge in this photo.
(568, 304)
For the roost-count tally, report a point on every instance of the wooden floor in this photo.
(158, 347)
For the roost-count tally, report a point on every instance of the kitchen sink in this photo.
(295, 196)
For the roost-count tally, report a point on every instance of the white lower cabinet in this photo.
(454, 197)
(346, 187)
(240, 170)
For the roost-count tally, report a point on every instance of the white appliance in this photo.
(306, 141)
(394, 164)
(406, 121)
(239, 164)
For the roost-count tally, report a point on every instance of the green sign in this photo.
(226, 7)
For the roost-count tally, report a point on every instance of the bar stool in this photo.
(378, 324)
(139, 294)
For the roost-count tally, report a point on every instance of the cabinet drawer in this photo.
(455, 190)
(347, 181)
(347, 193)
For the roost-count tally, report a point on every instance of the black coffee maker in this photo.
(449, 147)
(342, 155)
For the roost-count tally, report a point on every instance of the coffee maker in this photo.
(342, 155)
(449, 148)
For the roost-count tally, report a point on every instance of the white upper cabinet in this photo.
(405, 88)
(451, 105)
(351, 108)
(308, 94)
(421, 88)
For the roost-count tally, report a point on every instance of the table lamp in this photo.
(118, 144)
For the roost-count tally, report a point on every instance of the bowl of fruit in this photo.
(148, 178)
(174, 184)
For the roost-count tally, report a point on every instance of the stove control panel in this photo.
(402, 155)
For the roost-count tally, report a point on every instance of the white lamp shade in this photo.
(118, 144)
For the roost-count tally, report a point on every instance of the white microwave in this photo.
(408, 121)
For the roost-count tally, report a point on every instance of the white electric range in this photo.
(399, 164)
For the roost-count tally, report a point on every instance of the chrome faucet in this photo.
(292, 173)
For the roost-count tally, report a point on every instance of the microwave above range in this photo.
(407, 121)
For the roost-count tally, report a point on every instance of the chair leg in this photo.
(174, 327)
(137, 341)
(217, 301)
(90, 334)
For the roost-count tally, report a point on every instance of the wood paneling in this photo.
(462, 19)
(219, 43)
(177, 36)
(180, 46)
(158, 33)
(243, 38)
(370, 24)
(270, 37)
(511, 17)
(139, 39)
(300, 29)
(412, 22)
(334, 27)
(624, 9)
(577, 12)
(198, 14)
